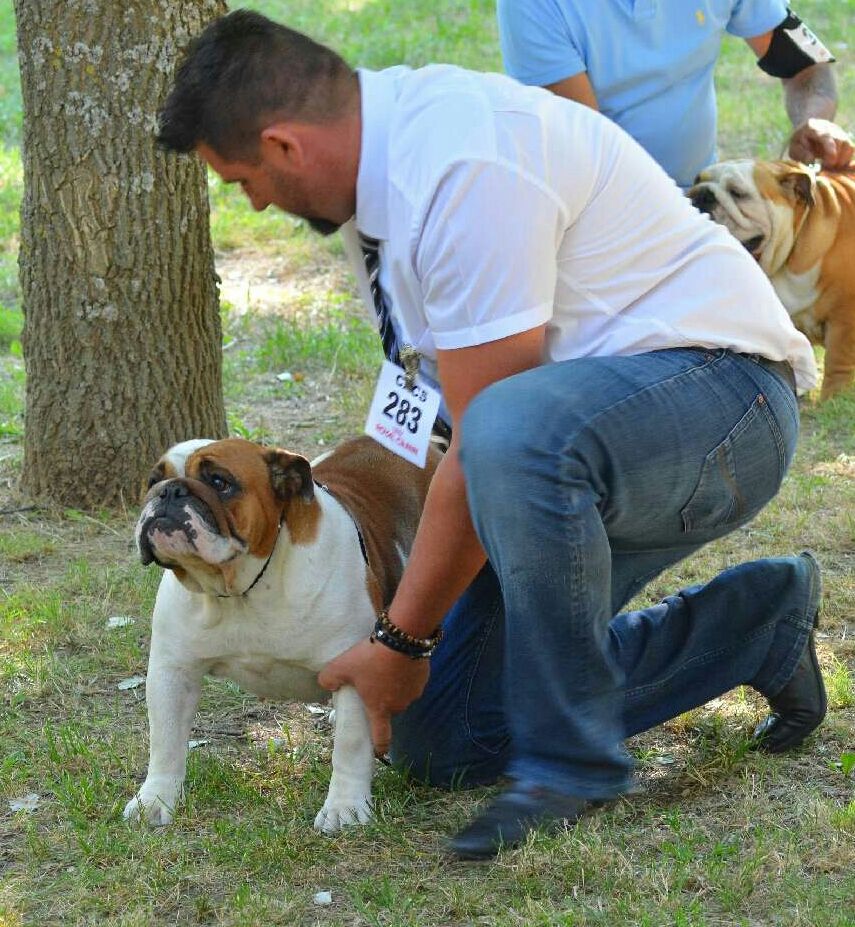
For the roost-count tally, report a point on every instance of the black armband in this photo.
(792, 49)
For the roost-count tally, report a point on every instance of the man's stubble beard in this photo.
(325, 227)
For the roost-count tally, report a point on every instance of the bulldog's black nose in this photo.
(173, 491)
(704, 199)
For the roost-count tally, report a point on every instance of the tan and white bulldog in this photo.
(273, 567)
(800, 226)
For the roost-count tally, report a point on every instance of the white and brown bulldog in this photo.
(273, 567)
(800, 226)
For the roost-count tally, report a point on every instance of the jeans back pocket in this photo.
(741, 474)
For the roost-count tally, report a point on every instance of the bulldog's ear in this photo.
(799, 184)
(157, 475)
(290, 475)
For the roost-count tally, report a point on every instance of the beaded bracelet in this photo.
(390, 635)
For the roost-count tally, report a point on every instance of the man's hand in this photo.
(822, 140)
(387, 682)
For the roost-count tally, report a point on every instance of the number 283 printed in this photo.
(403, 412)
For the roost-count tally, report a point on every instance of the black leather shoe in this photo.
(511, 817)
(798, 709)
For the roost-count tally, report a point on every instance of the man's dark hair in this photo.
(242, 72)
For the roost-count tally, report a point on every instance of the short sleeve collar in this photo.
(378, 98)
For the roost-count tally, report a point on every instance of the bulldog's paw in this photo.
(338, 813)
(155, 802)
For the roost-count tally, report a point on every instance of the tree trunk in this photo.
(122, 339)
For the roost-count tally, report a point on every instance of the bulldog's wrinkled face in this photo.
(762, 203)
(213, 503)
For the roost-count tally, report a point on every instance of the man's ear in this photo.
(799, 184)
(290, 475)
(282, 145)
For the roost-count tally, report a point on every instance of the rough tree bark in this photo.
(122, 340)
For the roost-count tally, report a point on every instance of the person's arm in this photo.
(578, 88)
(486, 264)
(810, 97)
(446, 554)
(541, 47)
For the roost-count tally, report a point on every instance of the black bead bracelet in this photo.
(390, 635)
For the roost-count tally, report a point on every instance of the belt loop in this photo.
(782, 368)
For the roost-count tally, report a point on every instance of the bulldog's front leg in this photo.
(349, 796)
(172, 694)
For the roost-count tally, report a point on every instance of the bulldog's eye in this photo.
(736, 193)
(219, 483)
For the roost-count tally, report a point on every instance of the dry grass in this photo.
(716, 835)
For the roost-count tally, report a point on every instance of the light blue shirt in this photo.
(650, 62)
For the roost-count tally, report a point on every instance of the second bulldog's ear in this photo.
(799, 184)
(290, 475)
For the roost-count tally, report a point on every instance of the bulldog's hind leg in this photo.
(349, 796)
(172, 694)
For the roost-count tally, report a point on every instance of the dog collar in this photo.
(362, 546)
(261, 573)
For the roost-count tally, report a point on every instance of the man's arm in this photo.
(578, 88)
(810, 97)
(446, 554)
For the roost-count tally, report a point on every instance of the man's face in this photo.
(265, 184)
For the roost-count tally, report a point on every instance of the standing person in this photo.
(620, 378)
(648, 65)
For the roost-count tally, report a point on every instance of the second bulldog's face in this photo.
(762, 203)
(212, 503)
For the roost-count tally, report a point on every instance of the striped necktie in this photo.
(371, 256)
(391, 348)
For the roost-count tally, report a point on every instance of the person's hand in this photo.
(821, 140)
(387, 682)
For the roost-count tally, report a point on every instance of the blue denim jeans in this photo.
(585, 480)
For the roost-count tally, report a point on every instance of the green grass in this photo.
(718, 837)
(20, 546)
(11, 180)
(11, 396)
(341, 342)
(11, 323)
(10, 87)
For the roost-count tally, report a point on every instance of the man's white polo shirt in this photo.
(500, 208)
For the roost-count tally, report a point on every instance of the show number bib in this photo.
(401, 419)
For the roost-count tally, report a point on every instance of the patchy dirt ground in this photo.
(309, 419)
(698, 791)
(269, 285)
(317, 407)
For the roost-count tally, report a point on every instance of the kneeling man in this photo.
(620, 381)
